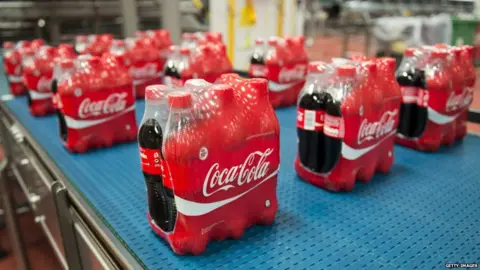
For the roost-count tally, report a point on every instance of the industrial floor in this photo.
(42, 257)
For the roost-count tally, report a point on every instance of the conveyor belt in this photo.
(425, 213)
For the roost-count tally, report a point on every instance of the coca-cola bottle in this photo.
(411, 79)
(150, 138)
(310, 119)
(61, 73)
(258, 52)
(334, 127)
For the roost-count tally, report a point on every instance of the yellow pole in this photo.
(231, 30)
(280, 8)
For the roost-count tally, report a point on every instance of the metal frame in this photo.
(64, 199)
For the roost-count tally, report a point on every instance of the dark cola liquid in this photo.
(171, 70)
(161, 203)
(257, 59)
(413, 118)
(333, 146)
(311, 143)
(62, 124)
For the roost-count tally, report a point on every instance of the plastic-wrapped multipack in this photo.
(95, 45)
(12, 66)
(37, 77)
(95, 103)
(146, 58)
(347, 117)
(210, 157)
(436, 83)
(200, 55)
(283, 62)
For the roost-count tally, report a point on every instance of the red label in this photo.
(287, 73)
(310, 119)
(409, 95)
(151, 161)
(145, 70)
(334, 126)
(85, 104)
(212, 178)
(423, 96)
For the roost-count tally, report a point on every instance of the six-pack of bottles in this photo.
(436, 85)
(283, 62)
(200, 55)
(347, 118)
(210, 157)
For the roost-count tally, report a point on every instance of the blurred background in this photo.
(332, 28)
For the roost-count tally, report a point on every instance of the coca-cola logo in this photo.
(293, 74)
(147, 71)
(114, 103)
(374, 130)
(44, 84)
(455, 102)
(253, 168)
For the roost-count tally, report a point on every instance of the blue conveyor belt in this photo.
(425, 213)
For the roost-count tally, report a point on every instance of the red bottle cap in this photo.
(65, 46)
(301, 40)
(66, 63)
(316, 67)
(224, 94)
(119, 42)
(346, 70)
(185, 51)
(81, 38)
(180, 100)
(259, 41)
(94, 61)
(8, 45)
(272, 41)
(49, 51)
(187, 36)
(390, 62)
(439, 54)
(261, 85)
(457, 52)
(155, 92)
(441, 46)
(27, 51)
(410, 52)
(371, 67)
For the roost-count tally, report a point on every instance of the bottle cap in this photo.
(390, 63)
(410, 52)
(261, 85)
(119, 42)
(93, 61)
(8, 45)
(346, 70)
(223, 93)
(186, 36)
(66, 63)
(439, 54)
(155, 92)
(81, 38)
(272, 41)
(457, 52)
(316, 67)
(180, 100)
(65, 46)
(185, 51)
(370, 66)
(259, 41)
